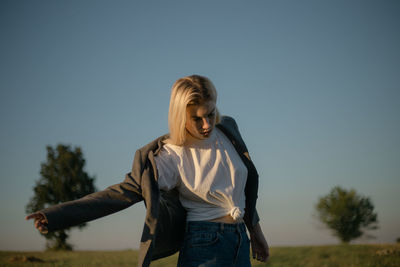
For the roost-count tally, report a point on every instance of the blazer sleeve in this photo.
(96, 205)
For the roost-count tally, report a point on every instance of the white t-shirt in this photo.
(209, 174)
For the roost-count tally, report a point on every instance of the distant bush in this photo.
(346, 213)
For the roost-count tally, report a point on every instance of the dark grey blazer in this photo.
(165, 217)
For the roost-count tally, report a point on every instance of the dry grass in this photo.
(310, 256)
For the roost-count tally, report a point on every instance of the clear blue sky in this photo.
(313, 85)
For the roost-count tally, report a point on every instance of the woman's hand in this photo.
(259, 245)
(40, 221)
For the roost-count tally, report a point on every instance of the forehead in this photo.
(201, 109)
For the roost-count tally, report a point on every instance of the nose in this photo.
(206, 124)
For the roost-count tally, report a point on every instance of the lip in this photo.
(206, 133)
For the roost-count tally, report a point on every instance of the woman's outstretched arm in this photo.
(88, 208)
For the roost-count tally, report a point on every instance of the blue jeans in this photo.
(209, 244)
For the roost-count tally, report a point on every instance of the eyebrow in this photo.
(212, 111)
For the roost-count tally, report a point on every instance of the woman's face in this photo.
(200, 119)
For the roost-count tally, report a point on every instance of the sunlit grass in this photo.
(310, 256)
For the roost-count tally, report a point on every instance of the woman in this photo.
(198, 178)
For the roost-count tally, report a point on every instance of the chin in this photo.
(200, 137)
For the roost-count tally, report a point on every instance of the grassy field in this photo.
(312, 256)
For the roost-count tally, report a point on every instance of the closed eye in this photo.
(196, 118)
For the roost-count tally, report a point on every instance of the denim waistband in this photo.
(195, 226)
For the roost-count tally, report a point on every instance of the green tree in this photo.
(346, 213)
(62, 178)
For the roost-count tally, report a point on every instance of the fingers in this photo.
(41, 225)
(260, 258)
(260, 255)
(33, 216)
(40, 222)
(42, 228)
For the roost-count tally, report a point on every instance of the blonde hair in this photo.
(189, 90)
